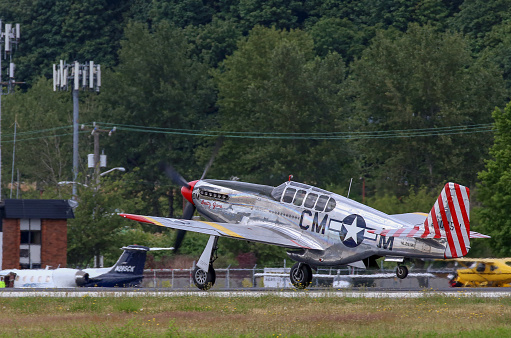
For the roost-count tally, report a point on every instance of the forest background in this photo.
(401, 96)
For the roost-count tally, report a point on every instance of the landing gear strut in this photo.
(204, 275)
(301, 275)
(401, 271)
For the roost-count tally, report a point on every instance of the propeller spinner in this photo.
(187, 190)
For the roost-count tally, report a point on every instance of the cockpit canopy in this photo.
(304, 195)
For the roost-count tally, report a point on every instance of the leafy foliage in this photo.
(494, 191)
(38, 109)
(97, 229)
(70, 30)
(157, 83)
(417, 200)
(418, 80)
(274, 84)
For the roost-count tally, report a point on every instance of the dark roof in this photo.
(45, 209)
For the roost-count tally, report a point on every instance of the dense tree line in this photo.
(396, 94)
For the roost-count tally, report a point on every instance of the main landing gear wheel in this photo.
(401, 271)
(202, 279)
(301, 275)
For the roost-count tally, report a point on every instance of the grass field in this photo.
(268, 316)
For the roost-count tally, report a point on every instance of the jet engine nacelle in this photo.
(81, 278)
(69, 278)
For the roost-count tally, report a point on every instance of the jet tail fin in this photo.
(132, 260)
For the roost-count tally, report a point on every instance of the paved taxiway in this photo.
(259, 292)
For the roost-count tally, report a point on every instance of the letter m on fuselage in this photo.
(319, 227)
(386, 243)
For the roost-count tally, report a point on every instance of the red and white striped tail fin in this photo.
(449, 219)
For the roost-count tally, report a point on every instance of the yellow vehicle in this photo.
(481, 272)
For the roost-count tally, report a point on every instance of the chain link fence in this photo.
(257, 277)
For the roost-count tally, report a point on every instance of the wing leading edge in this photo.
(256, 232)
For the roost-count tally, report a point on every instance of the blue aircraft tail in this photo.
(127, 272)
(132, 260)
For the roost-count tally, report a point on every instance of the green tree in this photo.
(423, 79)
(44, 134)
(498, 49)
(283, 14)
(415, 200)
(158, 83)
(182, 13)
(477, 18)
(494, 191)
(274, 83)
(97, 229)
(338, 35)
(61, 29)
(215, 40)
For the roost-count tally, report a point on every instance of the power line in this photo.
(222, 132)
(349, 135)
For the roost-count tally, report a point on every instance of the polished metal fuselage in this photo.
(340, 228)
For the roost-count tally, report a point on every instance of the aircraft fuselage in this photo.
(336, 223)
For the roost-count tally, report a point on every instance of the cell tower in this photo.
(9, 39)
(76, 76)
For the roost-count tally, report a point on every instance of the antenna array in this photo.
(85, 76)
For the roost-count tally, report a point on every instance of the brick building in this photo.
(33, 233)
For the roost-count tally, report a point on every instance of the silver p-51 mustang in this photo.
(319, 227)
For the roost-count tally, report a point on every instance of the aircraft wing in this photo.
(256, 232)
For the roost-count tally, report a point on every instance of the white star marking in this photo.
(352, 230)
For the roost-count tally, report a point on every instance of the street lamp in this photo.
(71, 182)
(109, 171)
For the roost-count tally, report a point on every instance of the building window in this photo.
(30, 237)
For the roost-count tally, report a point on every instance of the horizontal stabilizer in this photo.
(474, 234)
(416, 232)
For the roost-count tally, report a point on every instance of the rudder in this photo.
(449, 219)
(132, 260)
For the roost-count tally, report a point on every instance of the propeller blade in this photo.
(187, 214)
(174, 175)
(218, 145)
(188, 211)
(179, 239)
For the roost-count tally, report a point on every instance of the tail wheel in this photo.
(301, 275)
(202, 279)
(401, 271)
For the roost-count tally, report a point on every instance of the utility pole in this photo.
(97, 157)
(86, 76)
(10, 38)
(97, 160)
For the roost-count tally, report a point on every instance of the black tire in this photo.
(204, 280)
(309, 272)
(301, 275)
(401, 271)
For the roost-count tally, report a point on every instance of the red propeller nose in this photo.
(187, 191)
